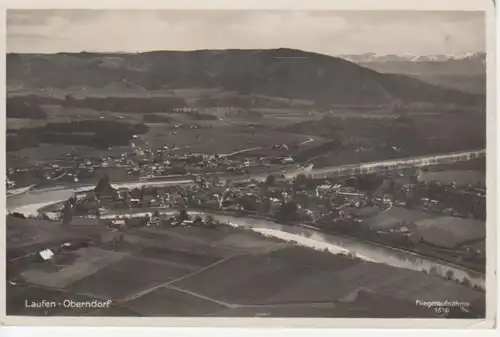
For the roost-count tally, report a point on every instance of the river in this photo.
(30, 202)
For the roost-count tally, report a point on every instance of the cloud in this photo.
(329, 32)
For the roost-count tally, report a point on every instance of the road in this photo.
(307, 141)
(240, 151)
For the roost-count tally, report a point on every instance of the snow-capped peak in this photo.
(372, 57)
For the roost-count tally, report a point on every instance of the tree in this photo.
(210, 220)
(135, 193)
(289, 211)
(368, 183)
(151, 190)
(301, 182)
(67, 213)
(266, 205)
(412, 203)
(103, 183)
(249, 203)
(270, 180)
(183, 215)
(198, 220)
(351, 181)
(327, 203)
(433, 271)
(435, 190)
(466, 282)
(103, 187)
(301, 179)
(17, 215)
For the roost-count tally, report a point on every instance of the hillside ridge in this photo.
(283, 72)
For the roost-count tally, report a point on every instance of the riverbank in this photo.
(313, 238)
(307, 236)
(226, 271)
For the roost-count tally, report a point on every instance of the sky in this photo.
(326, 32)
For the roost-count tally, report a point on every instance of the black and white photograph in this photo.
(227, 163)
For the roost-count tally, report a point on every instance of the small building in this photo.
(87, 221)
(119, 224)
(46, 254)
(388, 199)
(135, 201)
(324, 187)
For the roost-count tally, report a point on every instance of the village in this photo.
(397, 208)
(142, 163)
(217, 164)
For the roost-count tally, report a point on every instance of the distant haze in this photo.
(326, 32)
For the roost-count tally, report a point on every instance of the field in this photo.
(19, 123)
(89, 261)
(229, 272)
(365, 134)
(120, 282)
(55, 153)
(460, 177)
(364, 304)
(24, 234)
(478, 164)
(222, 135)
(221, 139)
(479, 246)
(450, 232)
(170, 302)
(395, 217)
(366, 139)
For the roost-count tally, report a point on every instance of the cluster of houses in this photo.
(332, 199)
(163, 162)
(10, 183)
(157, 219)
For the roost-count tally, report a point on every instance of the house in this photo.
(399, 203)
(187, 223)
(155, 202)
(46, 254)
(123, 193)
(119, 224)
(135, 202)
(87, 221)
(352, 194)
(387, 199)
(324, 187)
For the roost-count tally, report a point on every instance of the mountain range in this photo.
(372, 57)
(285, 73)
(466, 72)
